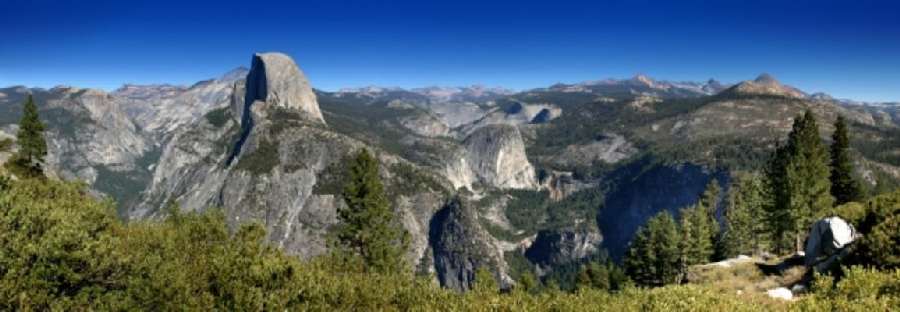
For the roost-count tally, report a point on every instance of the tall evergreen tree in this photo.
(696, 241)
(653, 258)
(844, 187)
(744, 227)
(368, 226)
(31, 142)
(798, 176)
(709, 204)
(709, 200)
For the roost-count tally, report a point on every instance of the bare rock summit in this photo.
(275, 80)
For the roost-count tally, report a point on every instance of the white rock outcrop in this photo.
(276, 80)
(496, 155)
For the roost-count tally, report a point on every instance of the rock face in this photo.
(160, 110)
(276, 164)
(89, 138)
(461, 247)
(646, 192)
(496, 155)
(275, 79)
(563, 246)
(608, 148)
(516, 114)
(106, 137)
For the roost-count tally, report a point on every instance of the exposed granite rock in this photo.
(426, 125)
(608, 148)
(275, 79)
(492, 156)
(160, 110)
(517, 113)
(496, 155)
(461, 246)
(277, 177)
(563, 246)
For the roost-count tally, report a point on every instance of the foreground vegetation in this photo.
(62, 250)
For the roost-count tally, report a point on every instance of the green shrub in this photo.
(261, 160)
(882, 244)
(60, 249)
(218, 117)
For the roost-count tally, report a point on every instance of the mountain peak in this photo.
(275, 79)
(765, 84)
(765, 78)
(235, 74)
(643, 79)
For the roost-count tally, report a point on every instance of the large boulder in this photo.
(827, 241)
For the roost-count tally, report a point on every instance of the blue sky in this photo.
(849, 49)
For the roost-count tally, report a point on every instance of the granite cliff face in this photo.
(276, 81)
(273, 160)
(89, 138)
(160, 110)
(494, 155)
(461, 246)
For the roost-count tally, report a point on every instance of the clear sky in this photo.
(850, 49)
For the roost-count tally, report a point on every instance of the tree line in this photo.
(803, 180)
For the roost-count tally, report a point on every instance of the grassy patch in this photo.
(743, 278)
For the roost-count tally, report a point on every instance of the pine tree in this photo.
(653, 258)
(32, 146)
(709, 204)
(368, 226)
(844, 187)
(709, 200)
(744, 227)
(798, 176)
(777, 199)
(696, 241)
(593, 275)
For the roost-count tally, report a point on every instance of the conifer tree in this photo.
(709, 200)
(696, 241)
(368, 226)
(653, 258)
(744, 227)
(30, 139)
(593, 275)
(798, 176)
(844, 187)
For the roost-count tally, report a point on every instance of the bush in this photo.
(54, 243)
(218, 117)
(60, 249)
(882, 244)
(861, 289)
